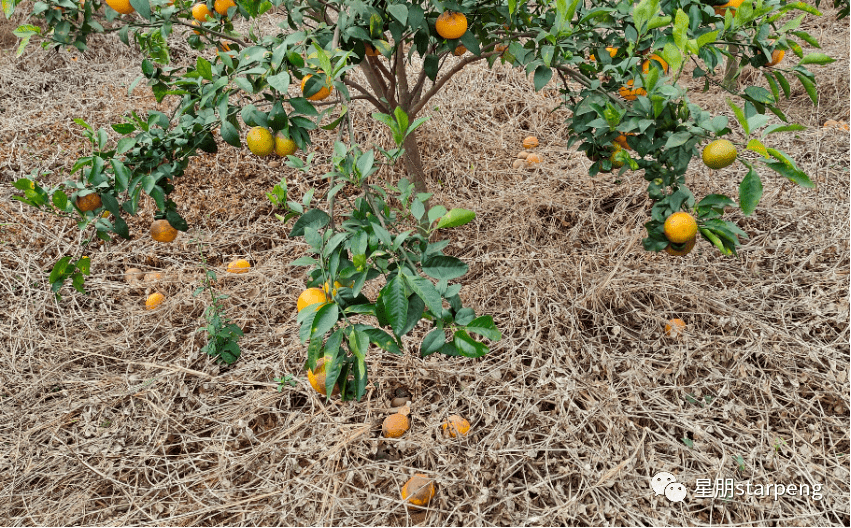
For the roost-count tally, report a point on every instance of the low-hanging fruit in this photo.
(731, 5)
(122, 6)
(419, 490)
(776, 57)
(675, 328)
(260, 141)
(239, 266)
(683, 250)
(460, 50)
(162, 231)
(316, 377)
(621, 141)
(284, 146)
(680, 227)
(719, 154)
(451, 25)
(222, 6)
(645, 66)
(201, 12)
(310, 297)
(154, 300)
(612, 53)
(629, 93)
(323, 92)
(454, 426)
(337, 284)
(395, 425)
(89, 202)
(530, 142)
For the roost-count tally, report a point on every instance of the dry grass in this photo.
(111, 415)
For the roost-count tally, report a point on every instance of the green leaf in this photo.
(143, 7)
(543, 74)
(443, 267)
(426, 291)
(455, 218)
(204, 68)
(808, 86)
(325, 319)
(315, 218)
(432, 342)
(784, 84)
(467, 346)
(395, 303)
(750, 192)
(680, 138)
(760, 94)
(757, 146)
(230, 134)
(783, 128)
(681, 23)
(790, 172)
(485, 327)
(399, 12)
(817, 58)
(740, 116)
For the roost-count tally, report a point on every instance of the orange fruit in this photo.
(89, 202)
(284, 146)
(154, 300)
(318, 96)
(196, 24)
(201, 12)
(776, 57)
(530, 142)
(451, 25)
(260, 141)
(222, 6)
(500, 48)
(239, 266)
(337, 284)
(621, 141)
(629, 93)
(395, 425)
(122, 6)
(161, 231)
(675, 327)
(310, 297)
(533, 158)
(317, 377)
(456, 426)
(719, 154)
(612, 53)
(419, 490)
(732, 5)
(670, 250)
(680, 227)
(370, 51)
(460, 50)
(645, 66)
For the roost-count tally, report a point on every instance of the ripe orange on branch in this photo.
(323, 92)
(89, 202)
(776, 57)
(689, 245)
(451, 25)
(645, 66)
(680, 227)
(222, 6)
(201, 12)
(122, 6)
(310, 297)
(719, 154)
(316, 377)
(284, 146)
(732, 5)
(629, 93)
(260, 141)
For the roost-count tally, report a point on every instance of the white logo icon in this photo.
(666, 484)
(675, 492)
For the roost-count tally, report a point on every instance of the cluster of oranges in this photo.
(524, 157)
(156, 298)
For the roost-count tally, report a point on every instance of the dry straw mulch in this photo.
(110, 415)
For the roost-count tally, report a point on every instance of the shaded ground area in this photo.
(111, 415)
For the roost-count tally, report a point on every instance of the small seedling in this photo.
(740, 463)
(282, 382)
(688, 442)
(222, 335)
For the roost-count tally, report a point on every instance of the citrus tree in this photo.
(619, 66)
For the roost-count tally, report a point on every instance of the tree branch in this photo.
(443, 80)
(366, 95)
(212, 32)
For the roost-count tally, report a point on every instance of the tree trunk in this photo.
(413, 161)
(731, 67)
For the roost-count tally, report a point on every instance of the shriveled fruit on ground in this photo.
(133, 275)
(612, 53)
(201, 12)
(680, 227)
(451, 25)
(518, 163)
(222, 6)
(89, 202)
(731, 5)
(675, 328)
(621, 141)
(284, 146)
(686, 248)
(316, 377)
(323, 92)
(522, 154)
(776, 57)
(832, 123)
(530, 142)
(399, 401)
(460, 50)
(532, 159)
(154, 276)
(719, 154)
(122, 6)
(154, 300)
(260, 141)
(395, 425)
(419, 490)
(629, 93)
(310, 297)
(161, 231)
(454, 426)
(645, 66)
(239, 266)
